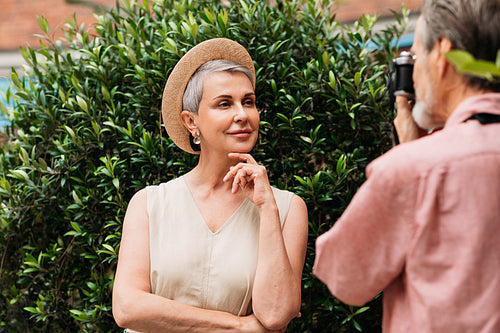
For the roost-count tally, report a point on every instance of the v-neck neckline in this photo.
(229, 220)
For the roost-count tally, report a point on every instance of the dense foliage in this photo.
(87, 133)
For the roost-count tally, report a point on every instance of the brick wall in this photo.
(350, 10)
(18, 19)
(18, 22)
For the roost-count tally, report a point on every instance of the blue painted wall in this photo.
(4, 84)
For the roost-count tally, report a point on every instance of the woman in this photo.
(217, 249)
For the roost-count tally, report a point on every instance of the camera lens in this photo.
(403, 76)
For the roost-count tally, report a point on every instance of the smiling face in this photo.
(228, 120)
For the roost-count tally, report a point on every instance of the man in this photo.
(425, 226)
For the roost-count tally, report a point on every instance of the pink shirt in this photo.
(425, 229)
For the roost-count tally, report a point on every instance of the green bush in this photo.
(87, 133)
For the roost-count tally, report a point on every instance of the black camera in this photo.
(402, 72)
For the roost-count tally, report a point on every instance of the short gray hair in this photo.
(470, 25)
(194, 89)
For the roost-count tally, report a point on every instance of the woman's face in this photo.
(228, 120)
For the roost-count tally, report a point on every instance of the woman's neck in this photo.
(210, 171)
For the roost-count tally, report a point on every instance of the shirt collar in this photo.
(483, 103)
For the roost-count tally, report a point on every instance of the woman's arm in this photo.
(276, 294)
(136, 308)
(277, 286)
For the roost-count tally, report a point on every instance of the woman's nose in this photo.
(240, 113)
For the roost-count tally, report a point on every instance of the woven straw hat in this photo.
(217, 48)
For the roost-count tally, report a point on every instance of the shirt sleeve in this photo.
(365, 250)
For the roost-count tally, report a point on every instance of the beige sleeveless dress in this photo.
(193, 265)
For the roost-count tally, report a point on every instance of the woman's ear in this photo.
(188, 118)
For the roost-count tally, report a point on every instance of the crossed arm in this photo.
(276, 293)
(134, 306)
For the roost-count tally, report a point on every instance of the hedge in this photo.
(86, 133)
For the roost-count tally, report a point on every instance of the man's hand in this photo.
(405, 125)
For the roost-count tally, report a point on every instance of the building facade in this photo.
(19, 24)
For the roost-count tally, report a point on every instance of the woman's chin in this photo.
(241, 150)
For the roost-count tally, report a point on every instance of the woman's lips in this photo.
(241, 134)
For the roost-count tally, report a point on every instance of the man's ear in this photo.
(443, 45)
(188, 118)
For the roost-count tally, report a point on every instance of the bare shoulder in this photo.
(298, 208)
(297, 218)
(298, 202)
(139, 198)
(137, 207)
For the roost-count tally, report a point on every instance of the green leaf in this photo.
(19, 174)
(306, 139)
(82, 104)
(341, 165)
(76, 227)
(76, 198)
(357, 79)
(23, 154)
(209, 15)
(332, 82)
(116, 183)
(459, 58)
(43, 23)
(356, 325)
(77, 312)
(465, 63)
(361, 310)
(31, 309)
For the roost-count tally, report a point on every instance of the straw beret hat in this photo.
(217, 48)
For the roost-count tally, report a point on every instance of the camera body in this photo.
(402, 75)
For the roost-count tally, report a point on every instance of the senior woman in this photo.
(219, 248)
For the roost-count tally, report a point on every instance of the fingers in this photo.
(231, 173)
(243, 175)
(244, 171)
(404, 123)
(404, 107)
(247, 159)
(402, 103)
(240, 179)
(250, 177)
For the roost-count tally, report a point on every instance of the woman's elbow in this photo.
(274, 324)
(123, 312)
(277, 320)
(120, 317)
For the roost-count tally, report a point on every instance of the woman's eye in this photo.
(249, 102)
(223, 104)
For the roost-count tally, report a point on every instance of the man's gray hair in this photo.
(194, 89)
(470, 25)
